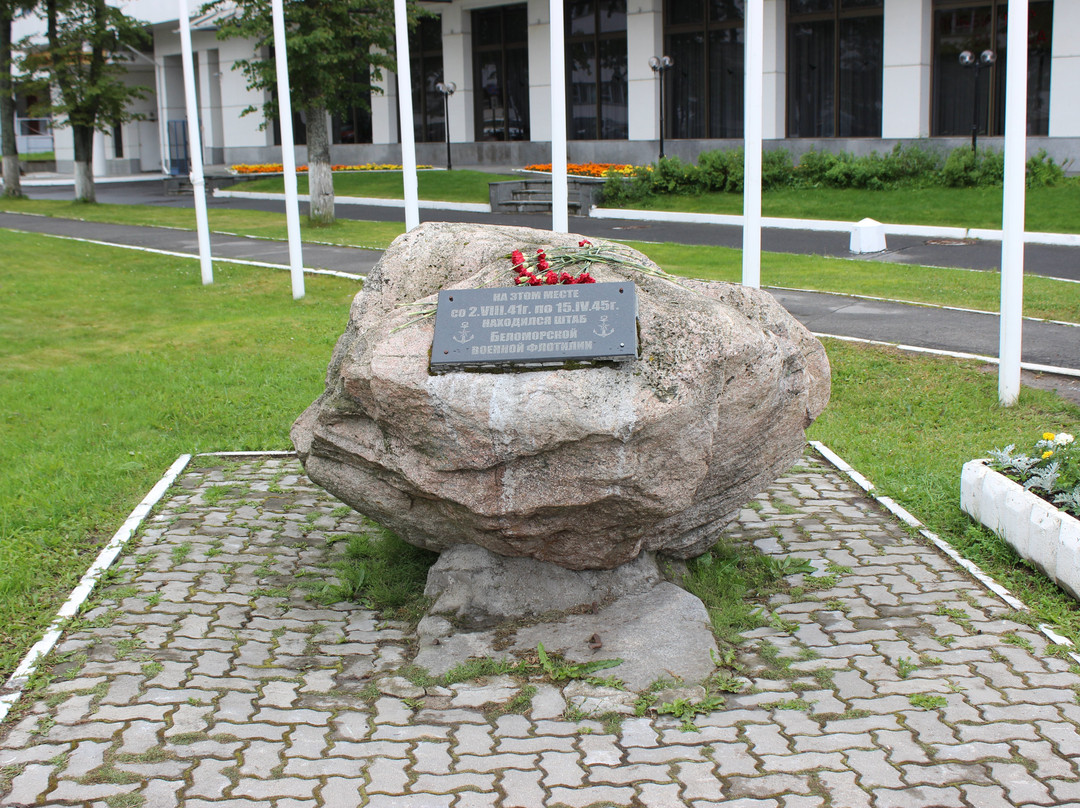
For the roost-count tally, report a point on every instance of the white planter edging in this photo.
(1040, 533)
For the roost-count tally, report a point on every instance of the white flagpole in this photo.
(1012, 211)
(405, 117)
(752, 136)
(559, 190)
(288, 153)
(198, 181)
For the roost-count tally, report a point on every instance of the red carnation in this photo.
(566, 277)
(518, 257)
(585, 277)
(584, 243)
(551, 278)
(535, 281)
(543, 265)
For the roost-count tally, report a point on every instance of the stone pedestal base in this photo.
(491, 605)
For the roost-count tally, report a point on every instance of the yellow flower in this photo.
(1047, 454)
(1048, 435)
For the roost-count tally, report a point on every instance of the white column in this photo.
(288, 152)
(1012, 215)
(774, 64)
(1065, 70)
(906, 59)
(457, 67)
(539, 70)
(754, 37)
(97, 165)
(559, 192)
(644, 38)
(384, 110)
(405, 116)
(198, 185)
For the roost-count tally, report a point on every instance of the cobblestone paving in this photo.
(198, 679)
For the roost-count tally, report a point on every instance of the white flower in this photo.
(1063, 439)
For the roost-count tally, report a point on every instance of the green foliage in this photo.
(79, 79)
(927, 701)
(562, 670)
(1052, 470)
(337, 49)
(381, 571)
(965, 168)
(904, 167)
(684, 709)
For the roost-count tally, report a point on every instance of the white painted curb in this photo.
(370, 201)
(829, 226)
(905, 516)
(171, 254)
(17, 682)
(12, 689)
(993, 360)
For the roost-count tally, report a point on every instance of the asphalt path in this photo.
(926, 327)
(1039, 259)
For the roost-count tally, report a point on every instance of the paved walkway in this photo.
(201, 678)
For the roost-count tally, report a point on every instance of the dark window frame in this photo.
(705, 26)
(595, 38)
(834, 15)
(428, 113)
(501, 47)
(992, 87)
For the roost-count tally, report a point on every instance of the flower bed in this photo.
(1027, 500)
(586, 169)
(277, 168)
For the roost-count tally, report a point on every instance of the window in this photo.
(704, 38)
(834, 68)
(960, 26)
(353, 125)
(597, 106)
(501, 73)
(426, 59)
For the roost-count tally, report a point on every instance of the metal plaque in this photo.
(538, 326)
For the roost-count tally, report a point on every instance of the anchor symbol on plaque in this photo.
(464, 336)
(605, 330)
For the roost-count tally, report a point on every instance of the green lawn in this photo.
(1043, 297)
(445, 186)
(113, 363)
(1051, 210)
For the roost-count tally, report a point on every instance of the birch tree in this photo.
(325, 41)
(80, 72)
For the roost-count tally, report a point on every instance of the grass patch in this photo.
(112, 364)
(1043, 297)
(1054, 209)
(444, 186)
(909, 423)
(260, 224)
(381, 571)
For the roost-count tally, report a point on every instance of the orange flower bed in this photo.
(277, 168)
(587, 169)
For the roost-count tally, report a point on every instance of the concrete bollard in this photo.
(867, 236)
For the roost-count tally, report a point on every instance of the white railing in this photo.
(33, 135)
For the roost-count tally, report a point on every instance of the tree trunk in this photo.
(320, 179)
(84, 162)
(12, 185)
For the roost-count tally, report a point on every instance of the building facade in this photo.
(856, 75)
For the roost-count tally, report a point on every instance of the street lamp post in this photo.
(659, 64)
(447, 89)
(969, 59)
